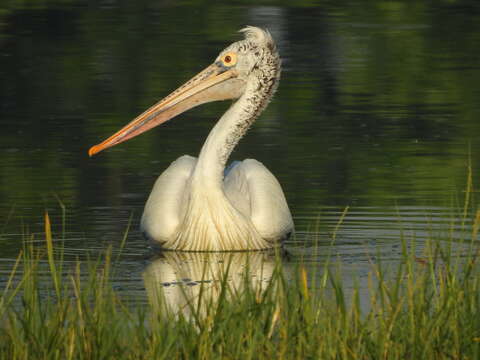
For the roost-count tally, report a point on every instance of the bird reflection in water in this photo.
(182, 281)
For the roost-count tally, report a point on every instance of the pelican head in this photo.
(250, 63)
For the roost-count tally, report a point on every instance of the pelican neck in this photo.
(226, 134)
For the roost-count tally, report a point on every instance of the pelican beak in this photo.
(216, 82)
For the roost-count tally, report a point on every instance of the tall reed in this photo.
(426, 307)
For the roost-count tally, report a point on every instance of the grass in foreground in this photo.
(425, 308)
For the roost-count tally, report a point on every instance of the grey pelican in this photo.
(195, 204)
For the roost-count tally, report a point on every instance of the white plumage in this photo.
(196, 205)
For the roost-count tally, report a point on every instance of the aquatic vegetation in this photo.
(426, 307)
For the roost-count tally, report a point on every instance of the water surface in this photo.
(377, 111)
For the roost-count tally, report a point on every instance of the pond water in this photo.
(377, 117)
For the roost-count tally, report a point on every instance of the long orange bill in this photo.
(208, 85)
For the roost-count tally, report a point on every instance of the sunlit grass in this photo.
(424, 308)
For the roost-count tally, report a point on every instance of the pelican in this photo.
(196, 204)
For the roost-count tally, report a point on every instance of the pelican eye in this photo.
(229, 59)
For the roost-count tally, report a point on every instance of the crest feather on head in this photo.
(260, 36)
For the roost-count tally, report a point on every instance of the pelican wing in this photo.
(161, 216)
(256, 193)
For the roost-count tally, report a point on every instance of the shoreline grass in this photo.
(423, 308)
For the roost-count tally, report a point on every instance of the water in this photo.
(377, 111)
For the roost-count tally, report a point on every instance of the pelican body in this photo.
(195, 204)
